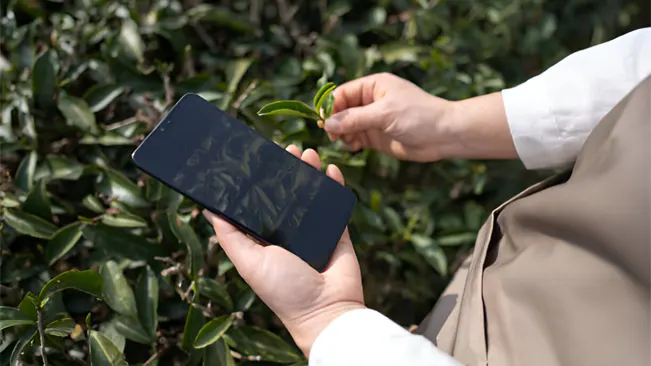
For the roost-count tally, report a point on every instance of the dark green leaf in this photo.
(456, 239)
(118, 242)
(88, 281)
(432, 253)
(124, 219)
(103, 352)
(147, 302)
(57, 167)
(117, 292)
(77, 112)
(24, 178)
(92, 203)
(212, 331)
(193, 323)
(24, 340)
(130, 328)
(38, 202)
(44, 79)
(28, 305)
(107, 138)
(116, 185)
(60, 327)
(235, 71)
(289, 107)
(253, 341)
(63, 241)
(109, 330)
(184, 233)
(220, 16)
(245, 299)
(101, 95)
(218, 354)
(216, 292)
(10, 317)
(28, 224)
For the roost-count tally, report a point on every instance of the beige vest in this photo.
(560, 274)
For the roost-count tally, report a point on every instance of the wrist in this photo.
(306, 329)
(478, 129)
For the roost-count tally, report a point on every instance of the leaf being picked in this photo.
(290, 108)
(322, 94)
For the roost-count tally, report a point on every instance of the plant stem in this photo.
(41, 334)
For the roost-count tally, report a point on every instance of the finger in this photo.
(312, 157)
(355, 93)
(333, 136)
(294, 150)
(335, 173)
(343, 255)
(358, 119)
(240, 249)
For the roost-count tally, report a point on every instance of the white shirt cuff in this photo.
(366, 337)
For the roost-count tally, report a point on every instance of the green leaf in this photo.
(101, 95)
(116, 241)
(28, 305)
(103, 352)
(116, 185)
(44, 79)
(109, 330)
(216, 292)
(184, 233)
(218, 354)
(253, 341)
(93, 203)
(289, 107)
(38, 202)
(433, 254)
(456, 239)
(24, 178)
(324, 91)
(245, 299)
(147, 302)
(77, 113)
(328, 103)
(60, 328)
(57, 167)
(117, 292)
(212, 331)
(10, 317)
(193, 323)
(220, 16)
(20, 346)
(87, 281)
(28, 224)
(124, 219)
(63, 241)
(130, 328)
(235, 71)
(107, 138)
(130, 40)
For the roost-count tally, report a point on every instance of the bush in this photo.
(82, 83)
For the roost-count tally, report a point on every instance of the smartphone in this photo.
(233, 171)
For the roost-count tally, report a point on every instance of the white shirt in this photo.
(550, 117)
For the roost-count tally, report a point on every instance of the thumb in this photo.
(357, 119)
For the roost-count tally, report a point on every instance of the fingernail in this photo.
(207, 215)
(333, 124)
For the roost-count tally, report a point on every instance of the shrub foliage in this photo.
(102, 265)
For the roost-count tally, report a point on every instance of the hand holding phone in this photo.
(247, 180)
(305, 300)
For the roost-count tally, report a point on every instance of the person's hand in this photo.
(305, 300)
(392, 115)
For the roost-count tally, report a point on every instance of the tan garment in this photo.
(560, 274)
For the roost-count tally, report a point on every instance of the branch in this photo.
(41, 334)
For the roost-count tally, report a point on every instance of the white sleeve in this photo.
(366, 337)
(552, 114)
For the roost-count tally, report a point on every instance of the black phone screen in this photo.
(237, 173)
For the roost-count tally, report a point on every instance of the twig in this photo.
(155, 356)
(122, 123)
(41, 334)
(169, 91)
(245, 94)
(187, 292)
(205, 37)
